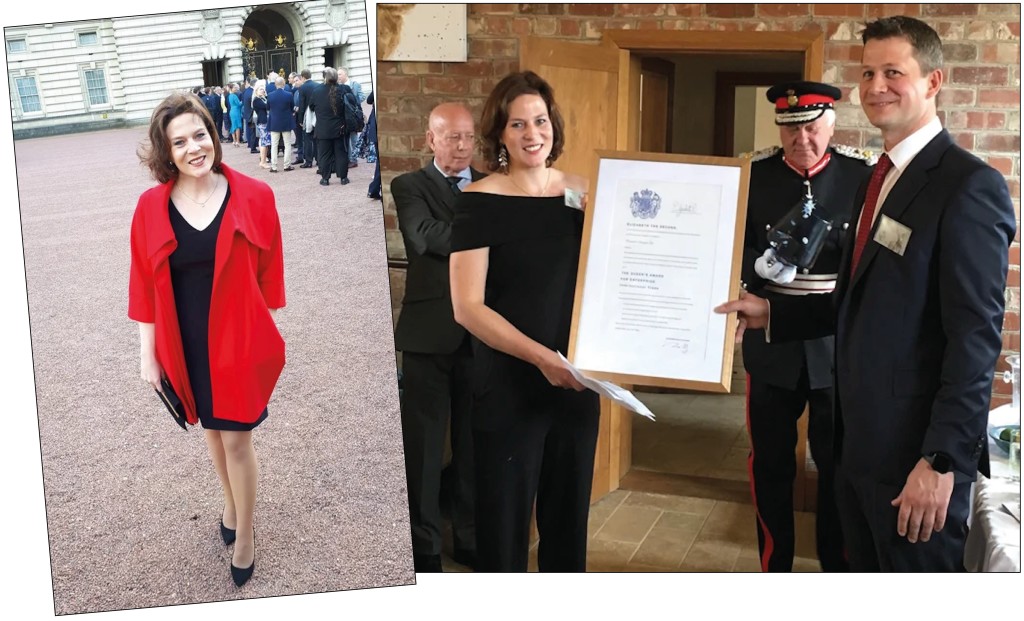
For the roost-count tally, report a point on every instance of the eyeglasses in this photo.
(454, 139)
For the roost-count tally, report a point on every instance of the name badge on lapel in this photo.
(892, 234)
(575, 198)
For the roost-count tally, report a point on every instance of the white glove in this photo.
(771, 268)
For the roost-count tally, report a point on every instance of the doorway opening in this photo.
(701, 103)
(214, 72)
(268, 44)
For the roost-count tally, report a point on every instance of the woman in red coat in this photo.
(207, 275)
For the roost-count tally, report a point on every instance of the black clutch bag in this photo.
(173, 403)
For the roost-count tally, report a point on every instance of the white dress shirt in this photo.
(465, 174)
(901, 155)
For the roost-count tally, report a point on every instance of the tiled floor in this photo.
(637, 531)
(699, 435)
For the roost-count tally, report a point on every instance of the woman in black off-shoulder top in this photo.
(515, 250)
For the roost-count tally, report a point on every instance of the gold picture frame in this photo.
(662, 246)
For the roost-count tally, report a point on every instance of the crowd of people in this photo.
(294, 122)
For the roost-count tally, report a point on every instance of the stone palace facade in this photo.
(111, 72)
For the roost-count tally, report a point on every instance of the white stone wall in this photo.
(57, 61)
(158, 54)
(147, 57)
(332, 27)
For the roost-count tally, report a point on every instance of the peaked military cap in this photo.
(802, 102)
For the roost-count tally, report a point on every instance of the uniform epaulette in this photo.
(869, 157)
(763, 154)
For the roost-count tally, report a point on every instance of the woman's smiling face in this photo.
(191, 145)
(528, 134)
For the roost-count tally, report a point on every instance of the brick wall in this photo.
(979, 104)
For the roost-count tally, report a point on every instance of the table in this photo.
(993, 543)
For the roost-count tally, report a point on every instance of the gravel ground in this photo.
(132, 502)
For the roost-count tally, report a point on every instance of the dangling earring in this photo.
(503, 159)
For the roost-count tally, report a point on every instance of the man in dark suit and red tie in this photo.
(917, 313)
(436, 356)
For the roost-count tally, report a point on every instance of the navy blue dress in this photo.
(192, 265)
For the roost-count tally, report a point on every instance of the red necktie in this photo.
(867, 215)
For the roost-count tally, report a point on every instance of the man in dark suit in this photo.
(436, 355)
(294, 82)
(212, 102)
(330, 101)
(917, 313)
(282, 122)
(306, 88)
(783, 378)
(250, 128)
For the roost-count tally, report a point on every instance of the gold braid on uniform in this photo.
(865, 155)
(763, 154)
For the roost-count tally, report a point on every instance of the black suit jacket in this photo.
(918, 335)
(426, 204)
(305, 95)
(247, 106)
(329, 123)
(212, 102)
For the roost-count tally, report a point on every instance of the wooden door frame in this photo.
(631, 42)
(667, 69)
(725, 101)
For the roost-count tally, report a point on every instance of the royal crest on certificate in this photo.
(662, 249)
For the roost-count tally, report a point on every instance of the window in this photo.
(96, 87)
(28, 94)
(15, 46)
(90, 37)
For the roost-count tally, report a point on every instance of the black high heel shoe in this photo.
(227, 534)
(242, 575)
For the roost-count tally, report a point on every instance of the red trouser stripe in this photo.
(769, 543)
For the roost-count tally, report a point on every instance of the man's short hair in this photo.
(830, 117)
(922, 37)
(305, 73)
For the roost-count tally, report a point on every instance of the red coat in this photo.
(246, 349)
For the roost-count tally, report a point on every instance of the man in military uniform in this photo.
(784, 377)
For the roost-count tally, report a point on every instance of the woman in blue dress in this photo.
(236, 115)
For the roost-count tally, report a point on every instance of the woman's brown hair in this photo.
(156, 152)
(495, 114)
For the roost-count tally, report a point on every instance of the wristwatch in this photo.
(940, 462)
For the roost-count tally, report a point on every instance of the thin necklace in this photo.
(524, 191)
(201, 204)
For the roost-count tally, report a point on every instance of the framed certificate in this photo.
(662, 246)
